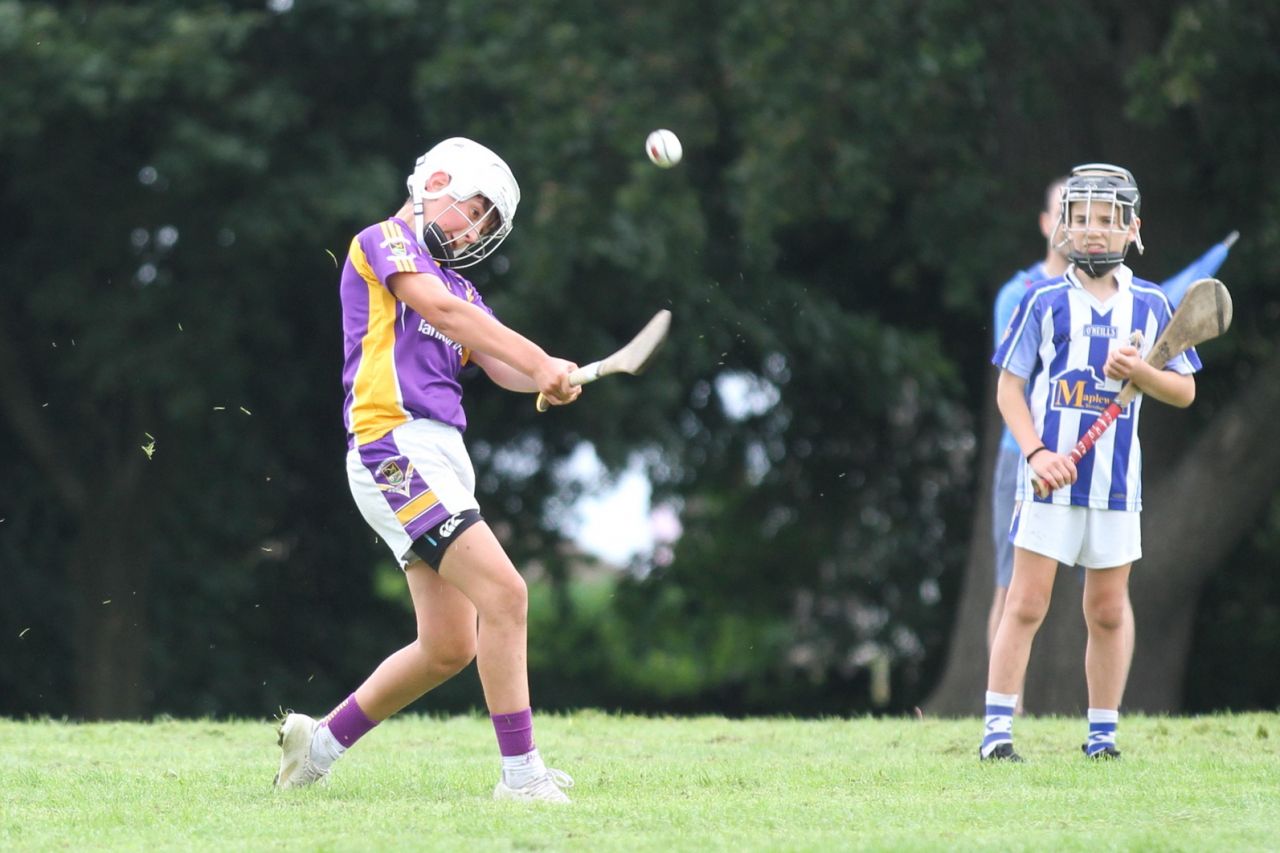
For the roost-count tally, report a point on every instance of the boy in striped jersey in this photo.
(411, 322)
(1004, 479)
(1067, 350)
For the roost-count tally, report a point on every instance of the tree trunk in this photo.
(110, 574)
(1196, 509)
(960, 690)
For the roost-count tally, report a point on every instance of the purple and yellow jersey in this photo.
(1058, 340)
(397, 366)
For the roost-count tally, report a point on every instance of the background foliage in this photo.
(180, 184)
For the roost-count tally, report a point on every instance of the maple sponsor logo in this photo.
(1081, 391)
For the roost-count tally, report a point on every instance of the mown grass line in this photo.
(650, 783)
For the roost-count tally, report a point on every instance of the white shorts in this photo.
(1094, 538)
(411, 479)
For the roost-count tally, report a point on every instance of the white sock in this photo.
(1102, 729)
(520, 770)
(325, 748)
(998, 724)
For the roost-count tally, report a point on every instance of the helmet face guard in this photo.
(1100, 185)
(455, 253)
(473, 170)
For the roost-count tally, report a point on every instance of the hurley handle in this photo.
(581, 376)
(1085, 444)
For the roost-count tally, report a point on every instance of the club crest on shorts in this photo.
(397, 478)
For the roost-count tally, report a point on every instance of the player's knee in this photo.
(503, 600)
(1028, 610)
(444, 657)
(1105, 615)
(510, 601)
(451, 658)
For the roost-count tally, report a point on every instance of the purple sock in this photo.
(347, 722)
(515, 732)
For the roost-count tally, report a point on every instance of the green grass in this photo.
(423, 783)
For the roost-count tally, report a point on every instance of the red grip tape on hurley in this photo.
(1105, 420)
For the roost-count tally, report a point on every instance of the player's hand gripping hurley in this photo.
(633, 358)
(1203, 314)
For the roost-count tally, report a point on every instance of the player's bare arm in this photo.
(1055, 469)
(505, 376)
(502, 374)
(1167, 386)
(473, 328)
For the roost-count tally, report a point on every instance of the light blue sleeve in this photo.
(1019, 346)
(1006, 300)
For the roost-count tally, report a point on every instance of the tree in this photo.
(183, 183)
(92, 355)
(156, 177)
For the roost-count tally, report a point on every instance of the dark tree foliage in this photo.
(180, 182)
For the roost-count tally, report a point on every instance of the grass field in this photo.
(423, 783)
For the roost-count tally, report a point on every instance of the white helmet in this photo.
(473, 170)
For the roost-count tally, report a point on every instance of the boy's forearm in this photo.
(1012, 403)
(1169, 387)
(503, 374)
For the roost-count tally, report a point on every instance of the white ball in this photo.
(664, 148)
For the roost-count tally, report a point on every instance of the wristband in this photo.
(1034, 452)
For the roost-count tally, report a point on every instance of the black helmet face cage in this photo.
(456, 253)
(1095, 186)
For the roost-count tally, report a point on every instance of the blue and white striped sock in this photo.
(1102, 729)
(999, 721)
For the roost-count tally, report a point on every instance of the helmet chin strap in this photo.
(429, 234)
(1097, 268)
(433, 241)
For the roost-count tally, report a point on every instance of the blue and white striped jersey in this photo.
(1007, 299)
(1058, 340)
